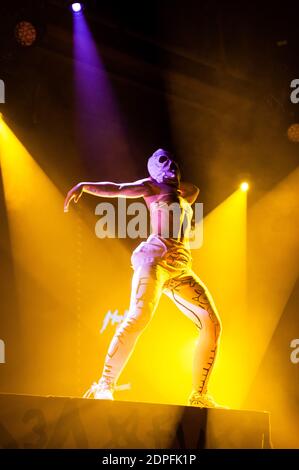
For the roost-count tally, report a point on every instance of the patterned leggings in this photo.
(155, 272)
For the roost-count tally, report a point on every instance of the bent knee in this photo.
(212, 325)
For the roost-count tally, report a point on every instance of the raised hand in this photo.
(73, 195)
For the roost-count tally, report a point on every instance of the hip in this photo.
(167, 253)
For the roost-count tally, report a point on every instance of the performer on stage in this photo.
(162, 264)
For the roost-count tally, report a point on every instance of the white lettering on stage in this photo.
(113, 318)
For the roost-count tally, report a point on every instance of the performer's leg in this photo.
(147, 286)
(194, 300)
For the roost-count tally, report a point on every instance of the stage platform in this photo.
(39, 422)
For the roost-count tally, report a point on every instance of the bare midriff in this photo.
(171, 218)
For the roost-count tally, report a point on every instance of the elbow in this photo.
(191, 198)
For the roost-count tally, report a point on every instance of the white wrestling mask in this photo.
(162, 167)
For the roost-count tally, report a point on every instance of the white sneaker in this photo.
(203, 400)
(102, 390)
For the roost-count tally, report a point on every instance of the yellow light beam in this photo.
(273, 264)
(67, 279)
(222, 264)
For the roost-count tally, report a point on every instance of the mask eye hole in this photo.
(162, 159)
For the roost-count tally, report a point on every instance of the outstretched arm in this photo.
(107, 189)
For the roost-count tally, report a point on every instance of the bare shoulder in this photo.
(139, 188)
(189, 191)
(146, 186)
(151, 186)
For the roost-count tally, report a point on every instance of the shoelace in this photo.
(92, 389)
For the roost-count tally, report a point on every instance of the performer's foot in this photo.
(102, 390)
(203, 400)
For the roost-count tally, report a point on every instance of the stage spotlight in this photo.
(76, 7)
(25, 33)
(244, 186)
(293, 132)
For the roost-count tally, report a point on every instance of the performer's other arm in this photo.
(108, 189)
(189, 191)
